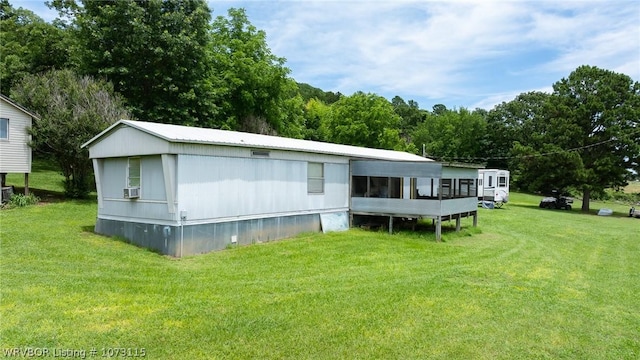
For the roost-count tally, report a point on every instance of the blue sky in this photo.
(460, 54)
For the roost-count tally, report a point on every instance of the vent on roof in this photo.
(261, 153)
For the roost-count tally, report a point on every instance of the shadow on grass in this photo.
(46, 196)
(414, 227)
(49, 196)
(573, 211)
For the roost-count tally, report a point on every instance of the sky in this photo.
(471, 54)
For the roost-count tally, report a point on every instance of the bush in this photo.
(21, 200)
(620, 196)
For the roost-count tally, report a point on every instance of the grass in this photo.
(633, 188)
(527, 283)
(45, 180)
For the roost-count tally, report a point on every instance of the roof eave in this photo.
(133, 124)
(19, 107)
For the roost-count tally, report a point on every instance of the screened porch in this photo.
(429, 190)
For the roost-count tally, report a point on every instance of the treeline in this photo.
(169, 61)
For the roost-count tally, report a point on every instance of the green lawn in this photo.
(527, 283)
(633, 188)
(45, 179)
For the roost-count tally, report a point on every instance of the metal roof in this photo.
(186, 134)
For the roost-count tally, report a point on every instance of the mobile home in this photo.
(182, 190)
(493, 185)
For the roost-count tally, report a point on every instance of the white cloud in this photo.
(466, 52)
(491, 100)
(423, 47)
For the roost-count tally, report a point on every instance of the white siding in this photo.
(114, 178)
(336, 188)
(152, 179)
(224, 188)
(126, 141)
(15, 153)
(152, 204)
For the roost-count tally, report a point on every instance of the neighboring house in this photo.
(15, 153)
(182, 190)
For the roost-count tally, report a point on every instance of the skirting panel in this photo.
(197, 239)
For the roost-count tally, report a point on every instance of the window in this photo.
(379, 187)
(315, 178)
(395, 188)
(467, 188)
(502, 181)
(133, 173)
(447, 188)
(359, 186)
(376, 186)
(425, 188)
(4, 129)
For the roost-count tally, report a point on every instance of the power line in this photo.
(474, 159)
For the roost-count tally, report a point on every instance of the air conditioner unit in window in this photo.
(132, 193)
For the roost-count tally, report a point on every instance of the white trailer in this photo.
(493, 186)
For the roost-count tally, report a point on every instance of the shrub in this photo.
(619, 196)
(21, 200)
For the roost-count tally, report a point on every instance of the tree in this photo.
(29, 45)
(309, 92)
(316, 112)
(520, 120)
(599, 111)
(72, 110)
(154, 52)
(410, 113)
(252, 85)
(439, 109)
(364, 120)
(453, 135)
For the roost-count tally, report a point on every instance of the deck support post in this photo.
(475, 219)
(390, 225)
(438, 228)
(26, 183)
(458, 222)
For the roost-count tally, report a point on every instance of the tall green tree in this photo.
(519, 120)
(29, 45)
(453, 135)
(316, 112)
(72, 110)
(410, 113)
(153, 51)
(252, 84)
(539, 153)
(365, 120)
(599, 112)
